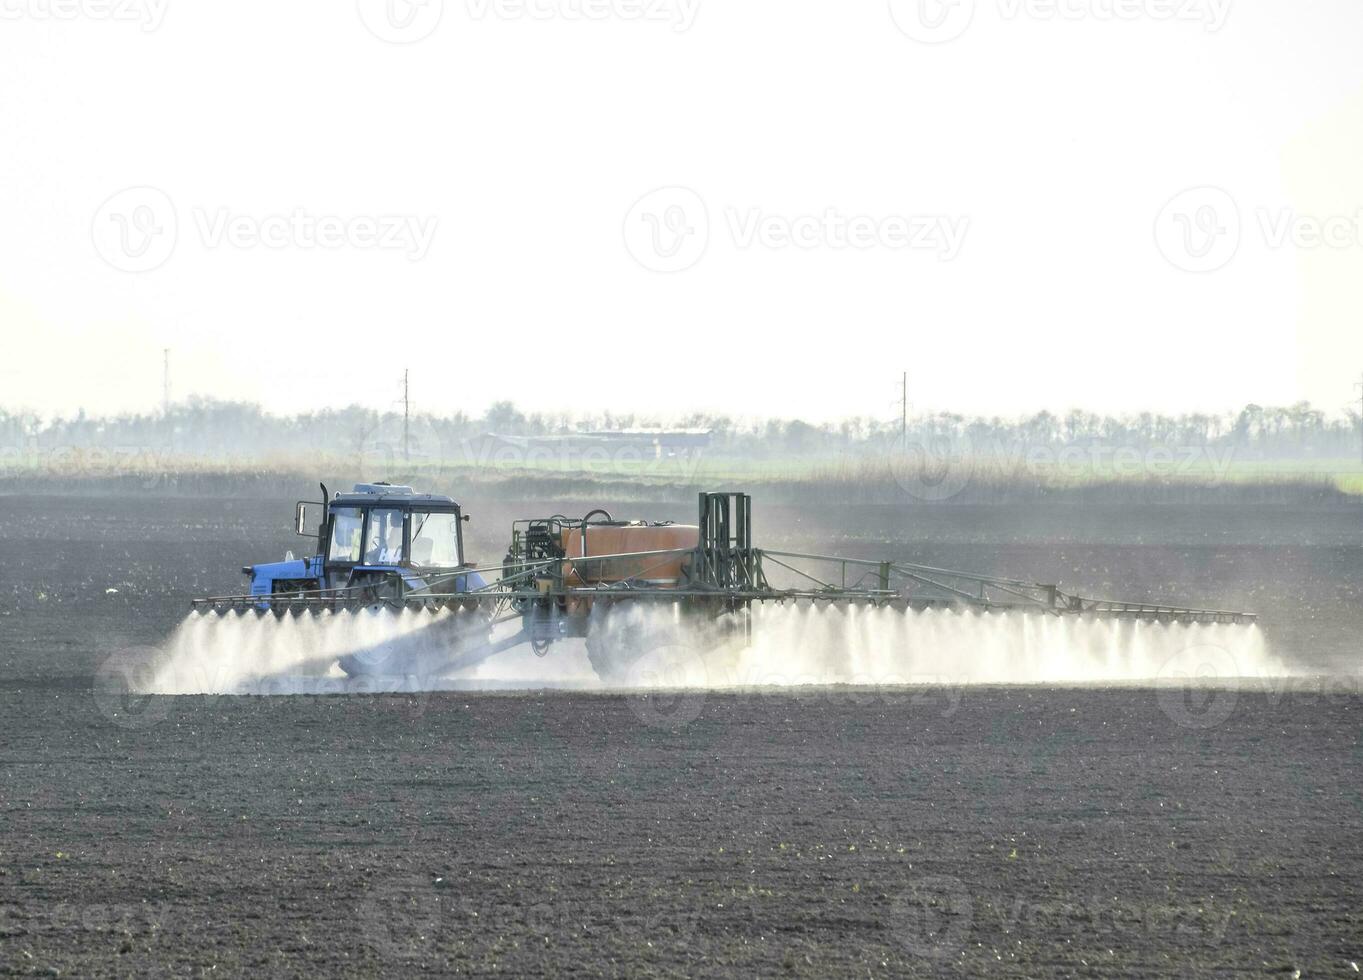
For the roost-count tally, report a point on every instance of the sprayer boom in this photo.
(567, 577)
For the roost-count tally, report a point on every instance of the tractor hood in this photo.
(263, 576)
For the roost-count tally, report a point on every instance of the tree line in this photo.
(208, 428)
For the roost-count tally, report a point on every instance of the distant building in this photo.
(645, 443)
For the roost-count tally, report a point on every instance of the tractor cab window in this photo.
(383, 540)
(345, 534)
(435, 540)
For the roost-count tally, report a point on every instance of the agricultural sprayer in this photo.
(386, 548)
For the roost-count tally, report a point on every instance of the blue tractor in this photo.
(377, 545)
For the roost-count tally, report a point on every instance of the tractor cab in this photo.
(376, 534)
(381, 526)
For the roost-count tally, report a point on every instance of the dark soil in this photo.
(1020, 832)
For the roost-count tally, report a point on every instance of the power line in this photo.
(1359, 386)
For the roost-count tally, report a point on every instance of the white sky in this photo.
(1055, 142)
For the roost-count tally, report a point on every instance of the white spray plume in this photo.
(792, 645)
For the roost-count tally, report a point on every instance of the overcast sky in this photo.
(762, 207)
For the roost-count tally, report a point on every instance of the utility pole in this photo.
(904, 414)
(165, 381)
(406, 416)
(1359, 386)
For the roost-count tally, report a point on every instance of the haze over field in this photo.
(261, 188)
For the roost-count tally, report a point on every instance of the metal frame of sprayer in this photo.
(720, 579)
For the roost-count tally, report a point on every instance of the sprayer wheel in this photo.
(619, 636)
(611, 642)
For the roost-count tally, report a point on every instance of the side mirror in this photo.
(464, 518)
(300, 519)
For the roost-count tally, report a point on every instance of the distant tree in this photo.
(503, 418)
(801, 437)
(1041, 428)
